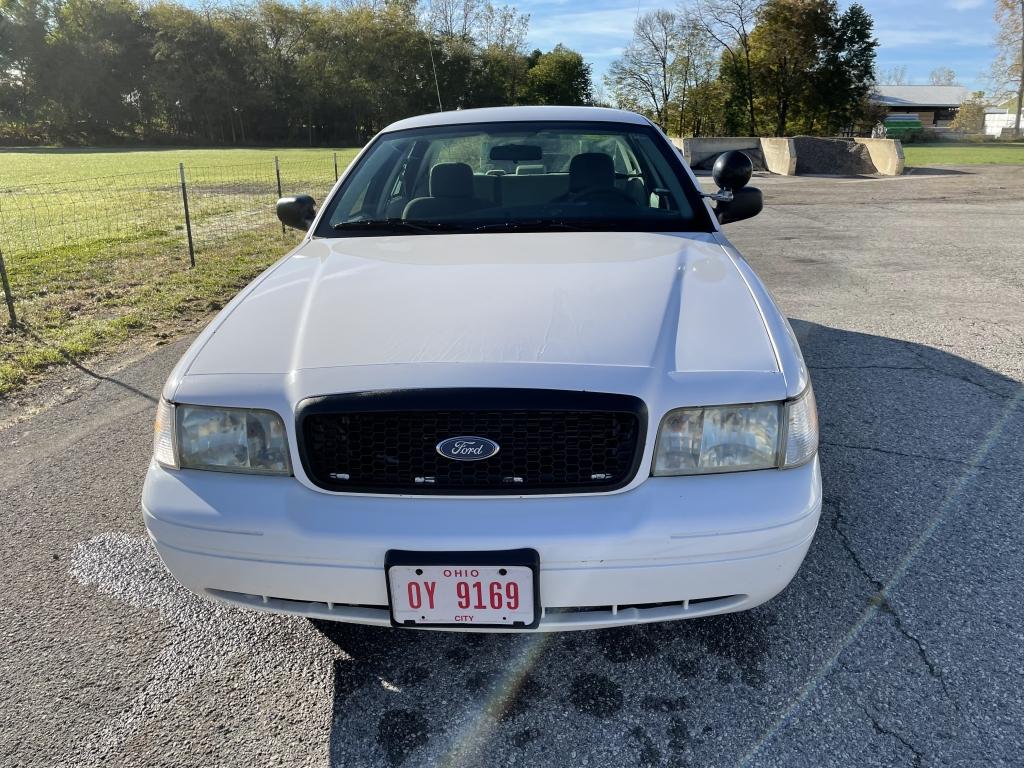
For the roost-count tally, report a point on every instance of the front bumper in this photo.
(668, 548)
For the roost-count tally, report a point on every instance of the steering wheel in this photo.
(600, 195)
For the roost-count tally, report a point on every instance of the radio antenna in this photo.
(433, 66)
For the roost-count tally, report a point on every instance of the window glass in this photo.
(516, 177)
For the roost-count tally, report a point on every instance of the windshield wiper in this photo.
(395, 225)
(590, 225)
(537, 225)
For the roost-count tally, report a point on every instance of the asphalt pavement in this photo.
(899, 642)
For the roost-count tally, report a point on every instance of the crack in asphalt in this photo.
(891, 452)
(928, 365)
(834, 524)
(881, 730)
(880, 601)
(871, 367)
(933, 669)
(925, 366)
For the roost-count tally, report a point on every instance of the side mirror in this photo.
(732, 170)
(735, 201)
(745, 203)
(297, 212)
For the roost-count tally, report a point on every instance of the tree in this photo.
(502, 33)
(1008, 69)
(845, 75)
(970, 118)
(729, 24)
(943, 76)
(560, 76)
(645, 78)
(697, 72)
(454, 19)
(502, 26)
(812, 67)
(103, 47)
(259, 70)
(190, 80)
(785, 47)
(893, 76)
(26, 59)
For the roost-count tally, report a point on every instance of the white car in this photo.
(513, 378)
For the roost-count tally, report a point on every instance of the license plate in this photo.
(461, 589)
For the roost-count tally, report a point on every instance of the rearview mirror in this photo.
(745, 203)
(516, 153)
(297, 212)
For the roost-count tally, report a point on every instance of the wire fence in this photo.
(75, 245)
(87, 263)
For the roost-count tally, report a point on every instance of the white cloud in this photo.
(617, 23)
(896, 37)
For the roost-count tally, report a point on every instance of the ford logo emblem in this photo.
(465, 448)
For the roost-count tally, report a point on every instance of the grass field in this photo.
(19, 167)
(965, 154)
(96, 250)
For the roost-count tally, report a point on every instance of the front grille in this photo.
(551, 441)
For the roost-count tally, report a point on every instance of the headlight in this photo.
(734, 438)
(222, 439)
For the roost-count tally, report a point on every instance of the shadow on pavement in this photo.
(876, 645)
(74, 362)
(915, 170)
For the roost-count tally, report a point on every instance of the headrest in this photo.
(451, 180)
(529, 170)
(591, 169)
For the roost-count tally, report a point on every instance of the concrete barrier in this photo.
(779, 155)
(697, 150)
(886, 154)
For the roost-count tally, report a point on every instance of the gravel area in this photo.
(898, 643)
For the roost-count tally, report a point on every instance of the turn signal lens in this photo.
(163, 435)
(801, 430)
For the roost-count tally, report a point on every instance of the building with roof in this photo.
(934, 105)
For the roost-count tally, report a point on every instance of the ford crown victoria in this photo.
(513, 378)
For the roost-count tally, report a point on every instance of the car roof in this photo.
(519, 114)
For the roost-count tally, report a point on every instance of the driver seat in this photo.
(591, 170)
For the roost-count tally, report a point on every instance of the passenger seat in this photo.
(451, 193)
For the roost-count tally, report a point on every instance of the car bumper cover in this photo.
(668, 548)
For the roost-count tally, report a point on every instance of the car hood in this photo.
(673, 302)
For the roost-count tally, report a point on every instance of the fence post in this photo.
(335, 166)
(8, 296)
(277, 170)
(188, 218)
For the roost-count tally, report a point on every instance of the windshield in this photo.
(499, 177)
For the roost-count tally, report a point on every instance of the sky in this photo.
(919, 34)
